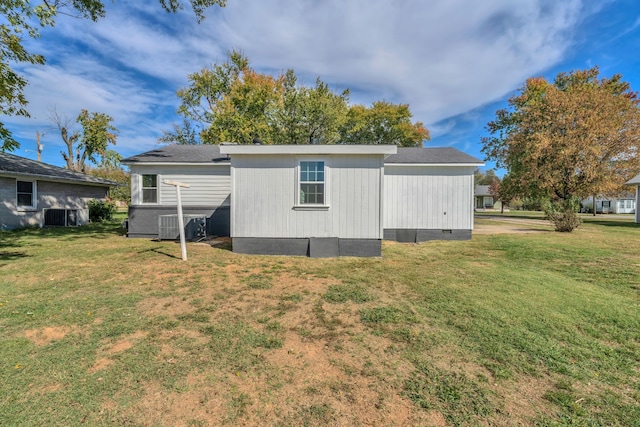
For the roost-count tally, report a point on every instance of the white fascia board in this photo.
(385, 150)
(227, 163)
(433, 164)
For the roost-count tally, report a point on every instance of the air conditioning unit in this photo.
(60, 217)
(195, 227)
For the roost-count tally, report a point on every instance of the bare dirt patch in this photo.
(112, 348)
(45, 336)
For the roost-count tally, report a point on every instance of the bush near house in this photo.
(101, 210)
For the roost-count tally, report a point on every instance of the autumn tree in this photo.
(88, 145)
(577, 136)
(22, 19)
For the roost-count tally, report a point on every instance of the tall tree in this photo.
(90, 144)
(383, 123)
(569, 139)
(22, 19)
(234, 103)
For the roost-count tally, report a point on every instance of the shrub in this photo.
(563, 215)
(101, 210)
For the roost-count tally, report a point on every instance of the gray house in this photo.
(307, 199)
(38, 194)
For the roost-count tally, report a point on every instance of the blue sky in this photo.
(454, 61)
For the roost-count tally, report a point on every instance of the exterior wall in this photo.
(208, 194)
(49, 194)
(143, 219)
(210, 185)
(428, 200)
(265, 190)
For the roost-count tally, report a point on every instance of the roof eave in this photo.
(58, 179)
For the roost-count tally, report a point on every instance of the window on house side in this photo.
(25, 194)
(312, 183)
(149, 188)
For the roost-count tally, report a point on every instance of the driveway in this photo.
(489, 224)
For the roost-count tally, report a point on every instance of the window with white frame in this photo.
(26, 194)
(312, 183)
(149, 188)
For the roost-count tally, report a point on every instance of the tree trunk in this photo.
(594, 205)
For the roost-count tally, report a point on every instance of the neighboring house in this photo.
(484, 199)
(268, 198)
(635, 181)
(38, 194)
(624, 204)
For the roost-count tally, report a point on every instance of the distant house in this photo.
(318, 200)
(635, 181)
(484, 199)
(623, 204)
(38, 194)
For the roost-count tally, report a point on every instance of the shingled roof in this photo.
(634, 181)
(11, 165)
(180, 154)
(211, 154)
(436, 155)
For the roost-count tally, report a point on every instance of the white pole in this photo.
(183, 245)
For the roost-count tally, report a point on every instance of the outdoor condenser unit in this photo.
(61, 217)
(195, 227)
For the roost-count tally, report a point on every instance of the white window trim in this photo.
(158, 181)
(34, 196)
(307, 206)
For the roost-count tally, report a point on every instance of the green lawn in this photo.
(507, 329)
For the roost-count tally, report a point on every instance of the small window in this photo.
(149, 188)
(606, 204)
(312, 183)
(26, 194)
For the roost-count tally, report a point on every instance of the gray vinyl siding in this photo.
(428, 197)
(209, 185)
(265, 191)
(49, 195)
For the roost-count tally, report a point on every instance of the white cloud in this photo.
(442, 57)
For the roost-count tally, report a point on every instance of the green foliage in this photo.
(564, 215)
(234, 103)
(21, 18)
(89, 145)
(121, 192)
(383, 123)
(101, 210)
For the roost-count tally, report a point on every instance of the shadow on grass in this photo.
(161, 252)
(614, 223)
